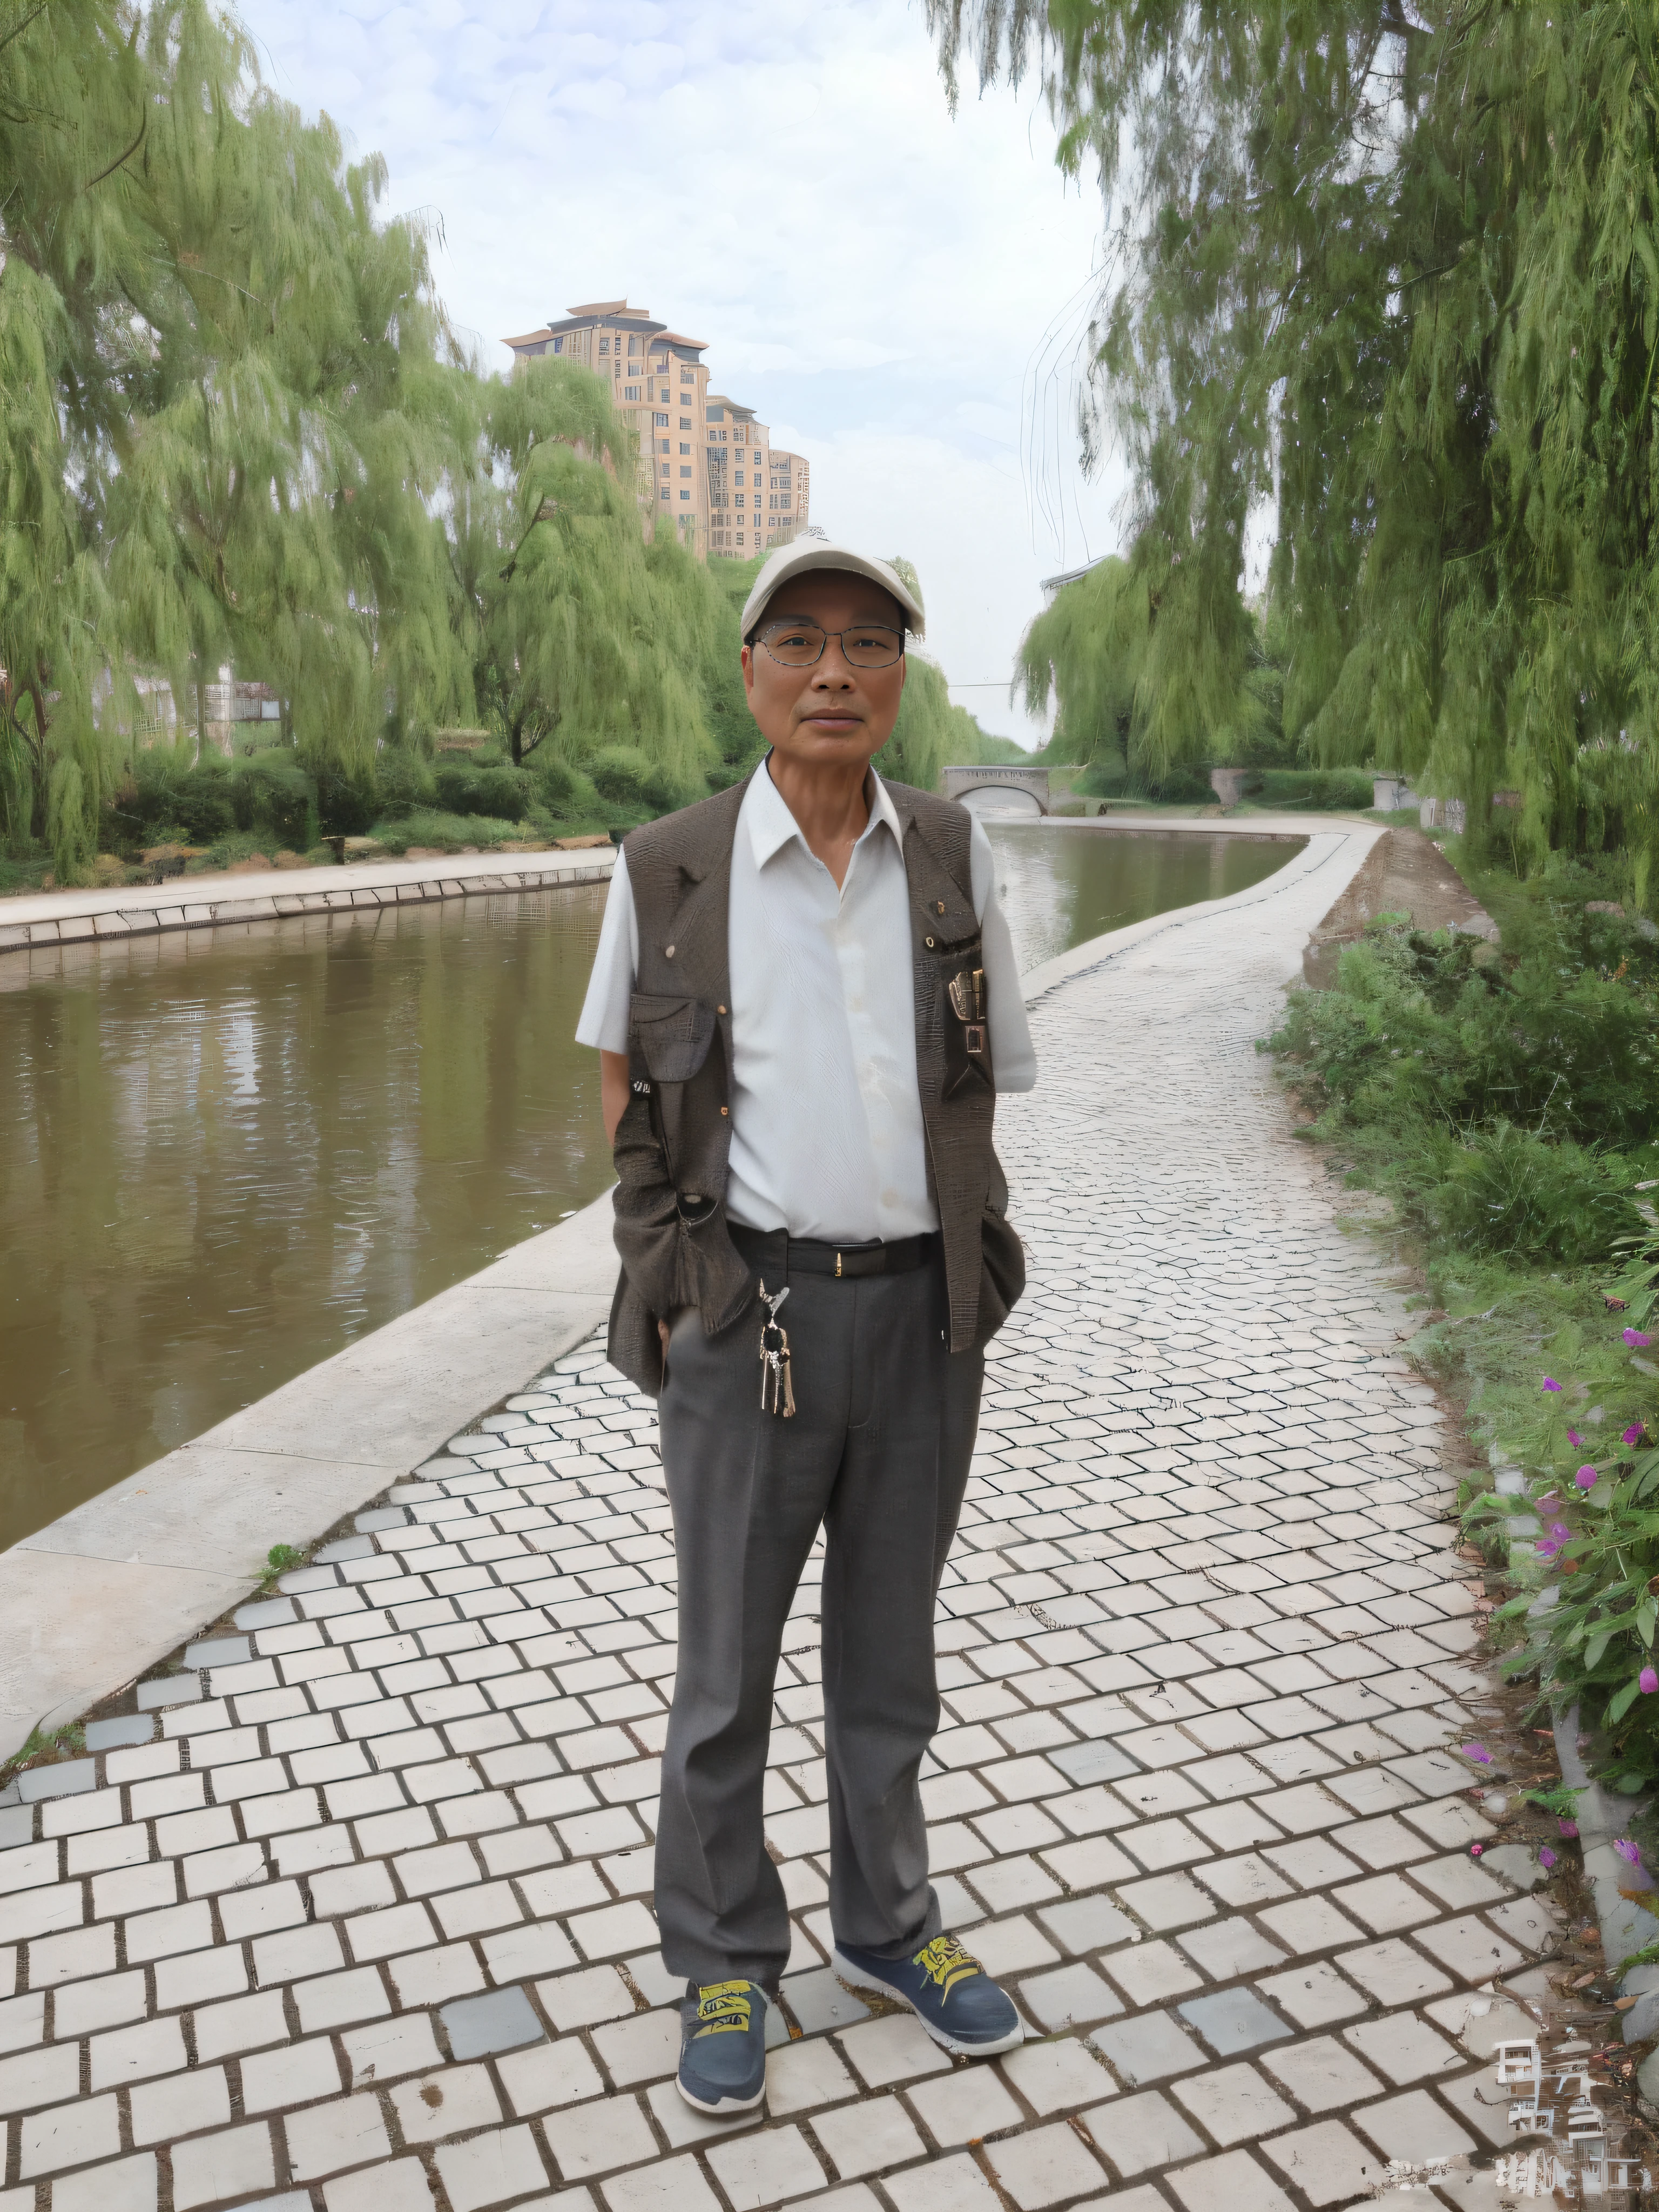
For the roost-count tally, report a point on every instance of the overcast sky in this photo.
(899, 294)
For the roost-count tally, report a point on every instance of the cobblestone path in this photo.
(353, 1914)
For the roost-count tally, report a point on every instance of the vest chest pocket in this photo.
(668, 1038)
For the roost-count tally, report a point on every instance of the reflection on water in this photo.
(1065, 885)
(224, 1154)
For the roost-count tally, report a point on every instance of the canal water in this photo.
(224, 1154)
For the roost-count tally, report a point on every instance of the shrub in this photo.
(447, 832)
(403, 782)
(272, 791)
(464, 787)
(166, 790)
(1507, 1191)
(628, 778)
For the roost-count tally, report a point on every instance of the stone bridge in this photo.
(1002, 784)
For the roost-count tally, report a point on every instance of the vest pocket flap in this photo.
(672, 1035)
(948, 936)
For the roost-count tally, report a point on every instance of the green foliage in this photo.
(1391, 278)
(47, 1744)
(446, 833)
(460, 787)
(1507, 1104)
(583, 634)
(282, 1558)
(227, 388)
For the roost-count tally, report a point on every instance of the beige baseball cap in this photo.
(811, 549)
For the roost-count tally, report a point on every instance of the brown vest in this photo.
(675, 1135)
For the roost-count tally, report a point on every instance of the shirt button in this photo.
(725, 1109)
(668, 951)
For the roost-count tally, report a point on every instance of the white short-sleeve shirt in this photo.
(827, 1137)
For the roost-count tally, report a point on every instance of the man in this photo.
(805, 1000)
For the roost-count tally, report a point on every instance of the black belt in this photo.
(776, 1253)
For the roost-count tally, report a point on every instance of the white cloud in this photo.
(900, 293)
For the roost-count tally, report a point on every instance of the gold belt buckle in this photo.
(838, 1263)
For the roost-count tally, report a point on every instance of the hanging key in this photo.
(777, 1389)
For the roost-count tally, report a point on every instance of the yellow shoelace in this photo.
(723, 2009)
(944, 1961)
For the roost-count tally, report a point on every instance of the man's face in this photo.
(832, 711)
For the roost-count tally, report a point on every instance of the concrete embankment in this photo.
(37, 919)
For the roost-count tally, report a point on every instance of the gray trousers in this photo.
(877, 1453)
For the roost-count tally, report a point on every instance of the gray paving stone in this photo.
(110, 1736)
(1149, 2048)
(1141, 2135)
(499, 2021)
(819, 2002)
(67, 1777)
(1326, 2163)
(169, 1690)
(1234, 2019)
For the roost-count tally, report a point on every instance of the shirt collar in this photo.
(771, 825)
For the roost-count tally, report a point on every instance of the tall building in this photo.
(704, 459)
(757, 491)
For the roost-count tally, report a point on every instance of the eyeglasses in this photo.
(799, 644)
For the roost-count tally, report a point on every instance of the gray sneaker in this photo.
(723, 2051)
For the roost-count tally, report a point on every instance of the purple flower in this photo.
(1478, 1752)
(1573, 1436)
(1550, 1383)
(1546, 1859)
(1628, 1851)
(1585, 1478)
(1647, 1681)
(1633, 1435)
(1550, 1504)
(1568, 1827)
(1633, 1337)
(1476, 1850)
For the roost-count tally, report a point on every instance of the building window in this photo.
(604, 345)
(662, 444)
(662, 470)
(633, 345)
(660, 422)
(685, 495)
(558, 346)
(717, 414)
(665, 391)
(687, 376)
(737, 499)
(630, 392)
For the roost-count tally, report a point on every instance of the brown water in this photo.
(226, 1153)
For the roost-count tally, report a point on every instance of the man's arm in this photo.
(613, 1089)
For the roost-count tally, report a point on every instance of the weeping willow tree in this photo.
(1387, 278)
(588, 643)
(228, 398)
